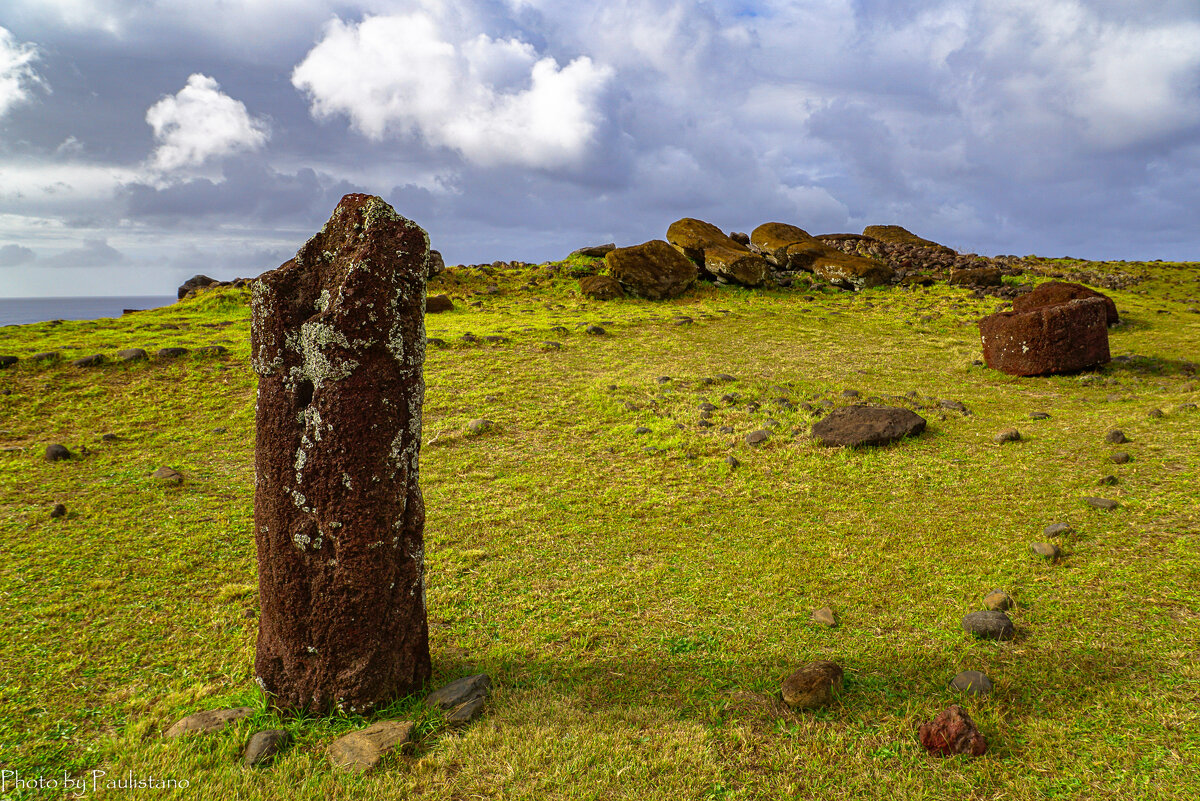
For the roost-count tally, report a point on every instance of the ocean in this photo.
(18, 311)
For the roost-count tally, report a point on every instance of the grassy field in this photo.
(633, 596)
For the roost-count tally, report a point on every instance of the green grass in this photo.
(624, 600)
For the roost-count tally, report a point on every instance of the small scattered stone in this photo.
(465, 712)
(550, 344)
(1007, 435)
(641, 430)
(46, 356)
(359, 751)
(479, 426)
(998, 601)
(263, 747)
(1108, 481)
(813, 685)
(663, 379)
(8, 361)
(207, 721)
(851, 393)
(212, 350)
(724, 377)
(1154, 413)
(460, 691)
(171, 353)
(757, 437)
(1057, 529)
(1101, 503)
(58, 511)
(1046, 550)
(707, 407)
(990, 625)
(1120, 457)
(132, 355)
(732, 461)
(57, 453)
(595, 330)
(954, 406)
(1116, 437)
(1039, 416)
(825, 616)
(89, 361)
(168, 475)
(972, 682)
(952, 732)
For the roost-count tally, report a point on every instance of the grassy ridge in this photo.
(624, 600)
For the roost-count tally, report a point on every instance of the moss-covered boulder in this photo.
(601, 287)
(792, 248)
(895, 234)
(653, 270)
(851, 272)
(975, 276)
(718, 255)
(774, 238)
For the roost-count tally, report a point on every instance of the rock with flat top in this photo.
(207, 721)
(361, 750)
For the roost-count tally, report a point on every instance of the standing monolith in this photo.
(338, 343)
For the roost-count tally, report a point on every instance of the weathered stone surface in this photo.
(95, 360)
(171, 353)
(825, 616)
(8, 361)
(722, 257)
(975, 276)
(168, 475)
(757, 437)
(263, 746)
(1116, 437)
(1101, 503)
(207, 721)
(998, 601)
(438, 303)
(1120, 457)
(990, 625)
(1007, 435)
(465, 712)
(338, 343)
(57, 453)
(460, 691)
(132, 355)
(972, 682)
(653, 270)
(196, 282)
(854, 426)
(1056, 293)
(59, 510)
(1046, 550)
(773, 239)
(595, 251)
(813, 685)
(899, 235)
(434, 264)
(361, 750)
(601, 287)
(1053, 339)
(212, 350)
(1057, 529)
(952, 732)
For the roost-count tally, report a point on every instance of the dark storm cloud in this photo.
(525, 129)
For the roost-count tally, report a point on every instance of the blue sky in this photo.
(142, 142)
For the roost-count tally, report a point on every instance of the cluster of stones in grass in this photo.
(126, 355)
(459, 703)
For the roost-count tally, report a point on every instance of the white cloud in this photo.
(201, 122)
(492, 100)
(16, 71)
(15, 255)
(94, 252)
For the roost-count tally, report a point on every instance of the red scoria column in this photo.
(338, 343)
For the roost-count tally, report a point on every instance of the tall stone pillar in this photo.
(338, 343)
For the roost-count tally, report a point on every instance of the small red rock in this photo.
(952, 732)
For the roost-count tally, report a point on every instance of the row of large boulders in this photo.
(778, 252)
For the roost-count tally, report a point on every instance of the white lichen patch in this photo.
(301, 540)
(315, 338)
(298, 499)
(323, 300)
(346, 482)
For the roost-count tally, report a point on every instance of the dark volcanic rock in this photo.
(8, 361)
(171, 353)
(132, 355)
(338, 343)
(972, 682)
(1053, 339)
(952, 732)
(653, 270)
(852, 426)
(263, 746)
(196, 282)
(990, 625)
(438, 303)
(595, 251)
(1056, 293)
(57, 453)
